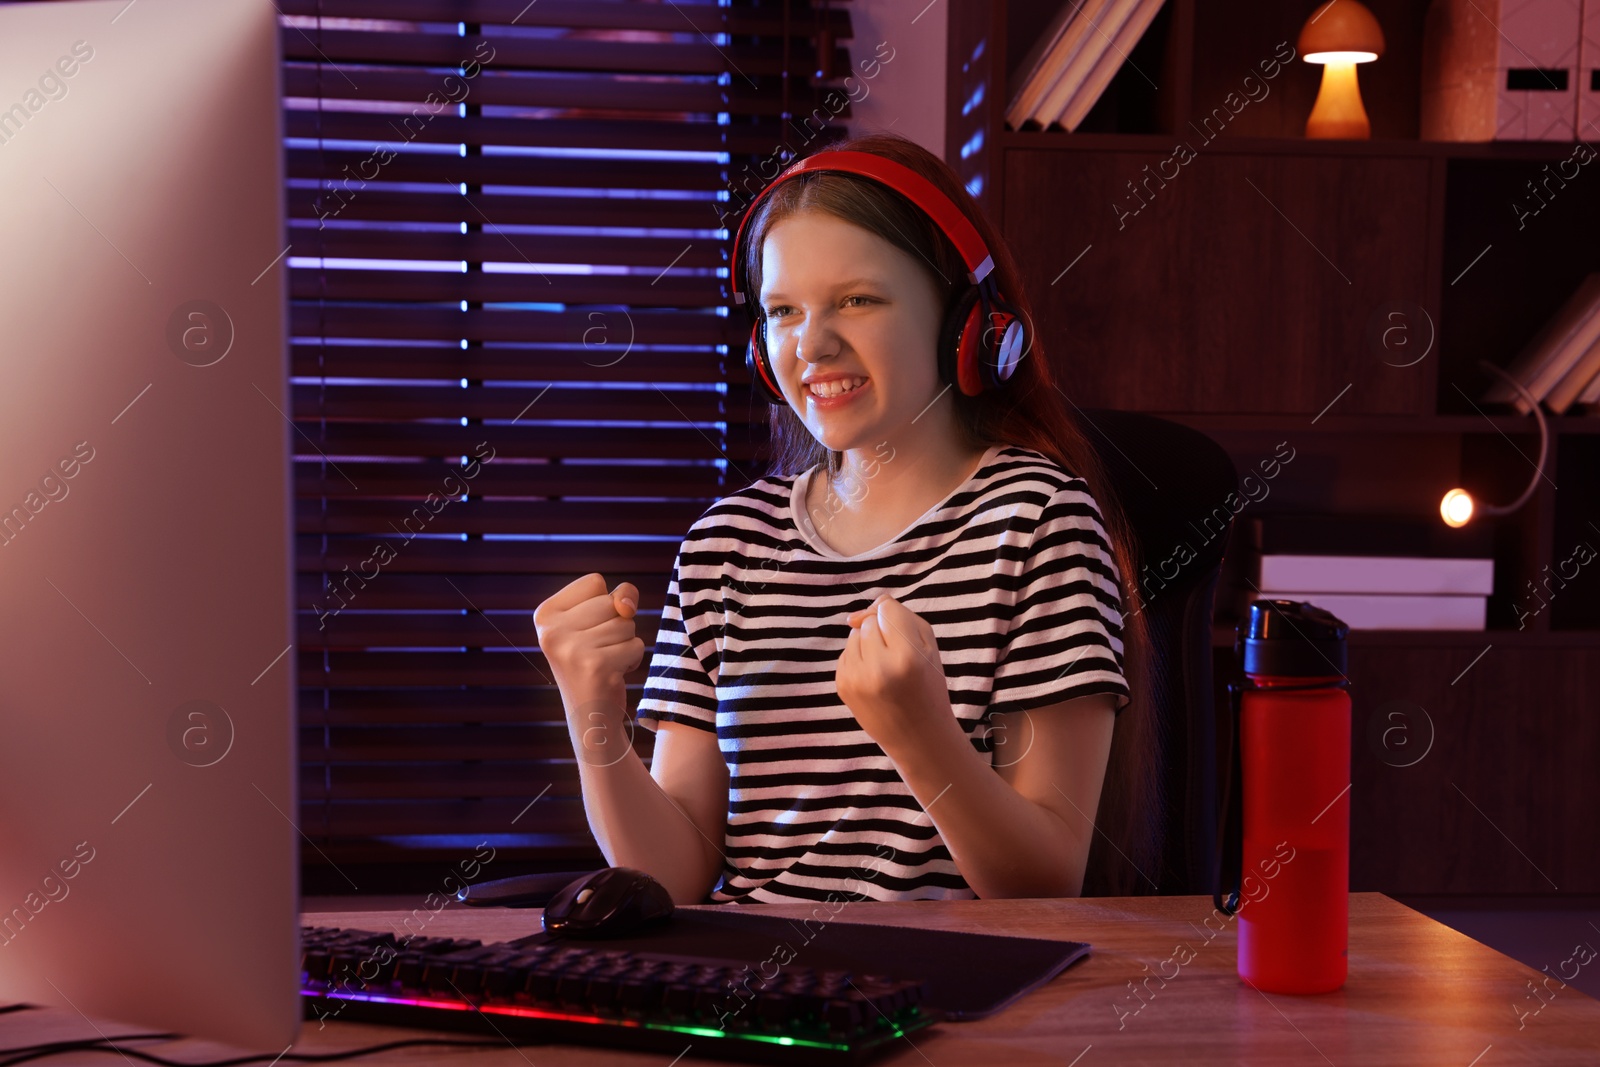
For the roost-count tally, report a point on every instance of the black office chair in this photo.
(1171, 479)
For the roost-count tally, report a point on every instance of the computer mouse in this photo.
(612, 902)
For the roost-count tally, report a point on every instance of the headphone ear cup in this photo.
(958, 337)
(755, 361)
(1006, 341)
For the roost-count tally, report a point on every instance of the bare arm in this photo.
(670, 826)
(1021, 827)
(669, 820)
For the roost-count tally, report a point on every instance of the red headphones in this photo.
(982, 338)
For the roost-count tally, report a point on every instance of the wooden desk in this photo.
(1419, 993)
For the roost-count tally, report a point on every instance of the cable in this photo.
(24, 1053)
(50, 1048)
(106, 1045)
(1544, 444)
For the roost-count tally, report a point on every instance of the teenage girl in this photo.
(894, 667)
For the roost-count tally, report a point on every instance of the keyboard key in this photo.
(541, 984)
(710, 1003)
(603, 992)
(679, 999)
(640, 993)
(374, 969)
(501, 982)
(408, 971)
(775, 1009)
(572, 990)
(467, 980)
(842, 1016)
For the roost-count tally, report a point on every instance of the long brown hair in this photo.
(1029, 412)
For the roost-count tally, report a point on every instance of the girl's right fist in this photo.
(587, 636)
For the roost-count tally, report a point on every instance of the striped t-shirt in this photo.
(1012, 571)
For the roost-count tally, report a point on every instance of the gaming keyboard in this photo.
(581, 992)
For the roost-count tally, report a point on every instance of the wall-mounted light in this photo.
(1339, 34)
(1458, 508)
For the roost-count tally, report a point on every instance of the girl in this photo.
(892, 668)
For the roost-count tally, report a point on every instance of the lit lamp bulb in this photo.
(1339, 34)
(1456, 507)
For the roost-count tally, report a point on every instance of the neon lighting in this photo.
(545, 1013)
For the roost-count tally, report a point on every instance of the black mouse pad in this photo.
(969, 976)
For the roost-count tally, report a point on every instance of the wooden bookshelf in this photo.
(1246, 297)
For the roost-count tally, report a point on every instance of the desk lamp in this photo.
(1458, 508)
(1339, 34)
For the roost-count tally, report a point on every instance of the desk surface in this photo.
(1418, 993)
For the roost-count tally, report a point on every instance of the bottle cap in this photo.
(1289, 638)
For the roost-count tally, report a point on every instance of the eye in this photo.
(773, 313)
(867, 299)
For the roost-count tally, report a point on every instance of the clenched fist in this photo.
(890, 673)
(587, 635)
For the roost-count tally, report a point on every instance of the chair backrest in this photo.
(1174, 483)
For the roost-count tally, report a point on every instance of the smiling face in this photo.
(841, 302)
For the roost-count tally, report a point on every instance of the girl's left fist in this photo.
(890, 673)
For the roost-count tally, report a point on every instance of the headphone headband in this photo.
(901, 179)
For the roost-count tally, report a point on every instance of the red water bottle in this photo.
(1286, 863)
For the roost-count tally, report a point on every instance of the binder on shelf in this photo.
(1049, 56)
(1590, 397)
(1554, 349)
(1501, 70)
(1573, 383)
(1396, 612)
(1412, 575)
(1374, 572)
(1366, 535)
(1111, 61)
(1589, 72)
(1072, 77)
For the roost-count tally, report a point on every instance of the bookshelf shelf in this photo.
(1222, 638)
(1239, 295)
(1222, 422)
(1162, 143)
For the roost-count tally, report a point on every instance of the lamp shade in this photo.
(1340, 26)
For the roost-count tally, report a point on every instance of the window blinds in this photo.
(514, 364)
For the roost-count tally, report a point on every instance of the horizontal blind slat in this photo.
(497, 51)
(586, 14)
(508, 775)
(433, 323)
(434, 286)
(563, 818)
(505, 516)
(445, 204)
(401, 591)
(392, 403)
(357, 631)
(752, 136)
(539, 705)
(414, 480)
(466, 559)
(449, 169)
(432, 668)
(500, 245)
(581, 92)
(517, 442)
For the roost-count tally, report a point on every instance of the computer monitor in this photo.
(148, 806)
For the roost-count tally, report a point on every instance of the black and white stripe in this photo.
(1012, 571)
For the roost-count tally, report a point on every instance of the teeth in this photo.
(836, 387)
